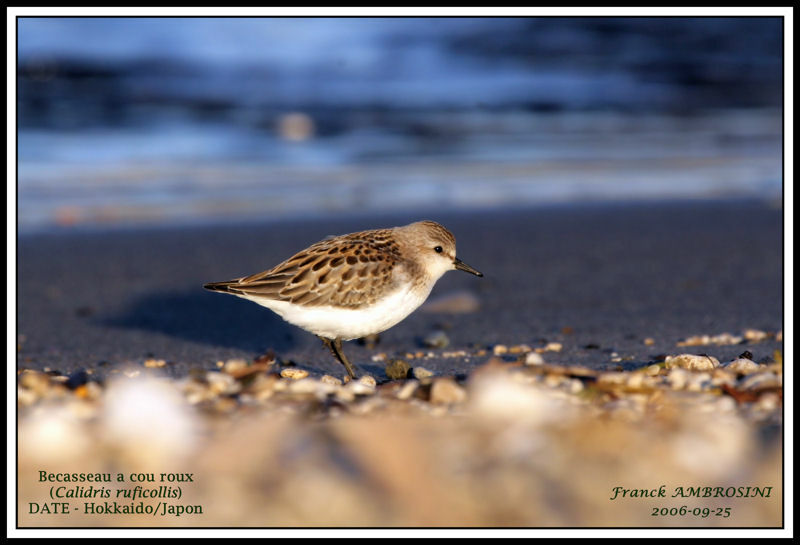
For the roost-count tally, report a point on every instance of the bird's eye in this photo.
(438, 249)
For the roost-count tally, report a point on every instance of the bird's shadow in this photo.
(203, 317)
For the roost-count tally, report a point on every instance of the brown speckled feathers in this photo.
(346, 271)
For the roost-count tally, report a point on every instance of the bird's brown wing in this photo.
(345, 271)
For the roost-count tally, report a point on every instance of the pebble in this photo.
(699, 382)
(635, 380)
(359, 387)
(692, 362)
(195, 392)
(78, 378)
(553, 347)
(310, 386)
(408, 389)
(90, 391)
(150, 362)
(534, 358)
(613, 378)
(649, 341)
(234, 366)
(294, 373)
(500, 349)
(330, 379)
(222, 383)
(722, 376)
(436, 339)
(742, 366)
(653, 370)
(704, 340)
(346, 394)
(368, 380)
(35, 381)
(25, 397)
(760, 381)
(445, 391)
(397, 369)
(768, 402)
(553, 380)
(677, 378)
(421, 373)
(454, 354)
(755, 335)
(575, 386)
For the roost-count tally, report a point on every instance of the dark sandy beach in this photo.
(599, 279)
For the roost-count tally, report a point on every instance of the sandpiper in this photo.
(354, 285)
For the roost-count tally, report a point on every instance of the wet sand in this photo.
(598, 279)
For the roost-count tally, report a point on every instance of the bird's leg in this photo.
(335, 346)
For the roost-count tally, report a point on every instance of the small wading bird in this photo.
(355, 285)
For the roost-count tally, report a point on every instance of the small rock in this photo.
(154, 363)
(310, 386)
(767, 402)
(368, 380)
(649, 341)
(25, 397)
(534, 358)
(359, 387)
(35, 381)
(575, 386)
(699, 382)
(408, 389)
(760, 381)
(397, 369)
(653, 370)
(692, 362)
(722, 376)
(552, 380)
(635, 380)
(222, 383)
(553, 347)
(421, 373)
(294, 373)
(678, 378)
(500, 349)
(445, 391)
(755, 335)
(704, 340)
(436, 339)
(90, 390)
(78, 378)
(329, 379)
(613, 378)
(234, 366)
(742, 366)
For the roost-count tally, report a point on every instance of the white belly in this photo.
(348, 323)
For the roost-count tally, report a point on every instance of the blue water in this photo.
(134, 121)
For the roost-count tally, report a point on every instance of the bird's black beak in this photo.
(461, 266)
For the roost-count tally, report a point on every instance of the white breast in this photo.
(347, 323)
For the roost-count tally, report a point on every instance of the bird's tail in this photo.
(224, 287)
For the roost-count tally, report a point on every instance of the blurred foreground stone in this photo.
(511, 445)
